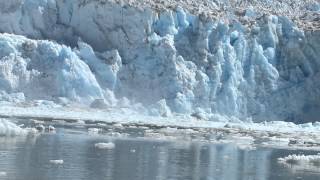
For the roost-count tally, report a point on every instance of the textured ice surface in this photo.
(8, 128)
(301, 162)
(170, 61)
(121, 123)
(295, 159)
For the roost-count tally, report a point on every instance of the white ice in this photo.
(109, 145)
(57, 162)
(2, 173)
(300, 158)
(8, 128)
(301, 162)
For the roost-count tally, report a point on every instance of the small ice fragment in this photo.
(118, 125)
(59, 161)
(132, 150)
(81, 122)
(93, 130)
(37, 121)
(51, 128)
(8, 128)
(148, 131)
(32, 131)
(3, 173)
(40, 127)
(226, 157)
(109, 145)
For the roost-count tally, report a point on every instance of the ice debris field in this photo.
(205, 65)
(301, 162)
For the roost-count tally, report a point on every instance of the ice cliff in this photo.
(262, 67)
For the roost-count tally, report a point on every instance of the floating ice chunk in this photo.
(45, 103)
(93, 131)
(117, 134)
(276, 141)
(40, 127)
(57, 162)
(108, 145)
(300, 159)
(132, 150)
(169, 130)
(118, 125)
(51, 128)
(2, 173)
(36, 121)
(8, 128)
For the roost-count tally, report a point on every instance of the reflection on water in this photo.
(137, 159)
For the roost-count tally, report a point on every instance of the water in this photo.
(27, 158)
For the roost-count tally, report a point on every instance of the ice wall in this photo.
(266, 70)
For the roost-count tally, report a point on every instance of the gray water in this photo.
(27, 158)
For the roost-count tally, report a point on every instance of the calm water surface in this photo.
(139, 159)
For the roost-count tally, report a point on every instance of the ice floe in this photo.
(109, 145)
(57, 161)
(301, 162)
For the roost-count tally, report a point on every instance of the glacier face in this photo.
(169, 60)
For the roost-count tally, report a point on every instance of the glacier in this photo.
(168, 61)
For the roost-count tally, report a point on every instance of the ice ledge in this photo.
(127, 117)
(268, 134)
